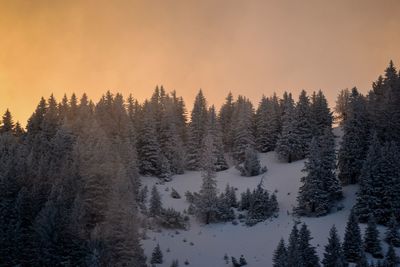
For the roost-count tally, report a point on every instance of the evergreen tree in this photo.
(288, 146)
(243, 134)
(392, 233)
(303, 124)
(156, 256)
(328, 165)
(293, 250)
(313, 197)
(280, 255)
(391, 259)
(242, 261)
(371, 184)
(259, 206)
(390, 196)
(155, 202)
(7, 124)
(175, 263)
(225, 118)
(206, 203)
(214, 131)
(197, 132)
(321, 116)
(383, 105)
(342, 106)
(231, 196)
(171, 136)
(251, 165)
(372, 243)
(308, 256)
(245, 200)
(362, 262)
(333, 255)
(352, 239)
(268, 123)
(148, 147)
(354, 145)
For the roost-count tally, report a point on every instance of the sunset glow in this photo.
(247, 47)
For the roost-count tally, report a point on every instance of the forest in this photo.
(72, 182)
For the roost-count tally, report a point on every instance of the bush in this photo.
(173, 219)
(175, 194)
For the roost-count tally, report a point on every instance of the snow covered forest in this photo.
(122, 183)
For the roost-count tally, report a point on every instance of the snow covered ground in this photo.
(205, 245)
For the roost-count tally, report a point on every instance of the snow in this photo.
(257, 243)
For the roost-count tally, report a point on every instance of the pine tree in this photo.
(383, 105)
(362, 261)
(261, 125)
(321, 116)
(231, 196)
(206, 203)
(148, 146)
(288, 146)
(94, 153)
(352, 239)
(142, 197)
(390, 196)
(354, 145)
(303, 124)
(225, 117)
(328, 165)
(333, 255)
(372, 243)
(267, 123)
(251, 165)
(156, 256)
(391, 259)
(171, 136)
(243, 134)
(225, 212)
(280, 255)
(293, 249)
(342, 106)
(155, 202)
(7, 124)
(392, 233)
(313, 197)
(308, 256)
(214, 131)
(242, 261)
(175, 263)
(371, 184)
(259, 206)
(245, 200)
(197, 132)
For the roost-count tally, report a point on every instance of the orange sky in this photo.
(249, 47)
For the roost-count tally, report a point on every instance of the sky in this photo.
(246, 47)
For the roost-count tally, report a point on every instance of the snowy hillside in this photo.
(205, 245)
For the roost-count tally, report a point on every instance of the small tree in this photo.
(371, 240)
(333, 255)
(175, 263)
(206, 202)
(352, 239)
(392, 233)
(156, 256)
(155, 202)
(280, 255)
(308, 255)
(391, 259)
(242, 261)
(251, 165)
